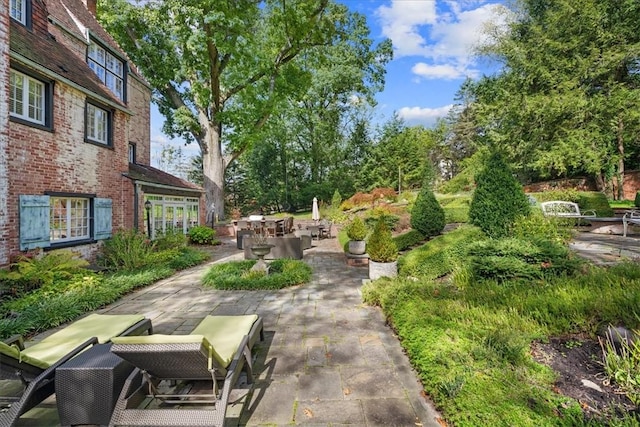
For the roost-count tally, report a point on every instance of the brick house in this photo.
(75, 136)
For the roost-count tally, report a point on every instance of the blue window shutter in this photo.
(102, 209)
(34, 222)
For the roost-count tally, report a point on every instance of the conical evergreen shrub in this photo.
(381, 247)
(498, 198)
(427, 216)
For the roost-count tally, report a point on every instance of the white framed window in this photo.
(68, 219)
(27, 98)
(172, 213)
(132, 152)
(108, 68)
(18, 10)
(98, 125)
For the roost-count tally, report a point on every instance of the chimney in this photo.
(91, 6)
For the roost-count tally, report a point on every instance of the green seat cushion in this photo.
(13, 352)
(173, 339)
(102, 326)
(225, 333)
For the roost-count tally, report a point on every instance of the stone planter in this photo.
(357, 247)
(260, 251)
(382, 269)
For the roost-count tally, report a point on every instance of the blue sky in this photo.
(432, 42)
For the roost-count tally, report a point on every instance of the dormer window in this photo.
(18, 10)
(108, 68)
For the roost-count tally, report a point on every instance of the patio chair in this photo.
(35, 365)
(218, 349)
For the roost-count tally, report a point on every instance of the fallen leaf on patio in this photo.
(442, 422)
(308, 412)
(346, 391)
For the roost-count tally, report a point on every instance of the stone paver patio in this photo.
(327, 359)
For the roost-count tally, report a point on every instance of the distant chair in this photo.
(243, 225)
(270, 228)
(325, 231)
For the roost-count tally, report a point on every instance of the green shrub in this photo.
(389, 219)
(356, 229)
(409, 239)
(31, 273)
(336, 200)
(173, 238)
(636, 201)
(236, 275)
(126, 250)
(498, 199)
(537, 225)
(517, 259)
(427, 216)
(380, 246)
(595, 200)
(456, 207)
(440, 255)
(202, 235)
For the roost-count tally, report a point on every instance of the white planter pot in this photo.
(382, 269)
(357, 247)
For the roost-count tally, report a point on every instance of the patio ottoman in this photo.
(88, 386)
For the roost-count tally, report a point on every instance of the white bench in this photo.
(632, 217)
(564, 209)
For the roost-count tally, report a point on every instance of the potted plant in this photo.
(357, 232)
(383, 252)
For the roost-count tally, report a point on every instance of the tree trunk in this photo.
(213, 168)
(620, 193)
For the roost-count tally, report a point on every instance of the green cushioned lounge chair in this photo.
(217, 350)
(35, 365)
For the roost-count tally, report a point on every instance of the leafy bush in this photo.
(595, 200)
(537, 225)
(384, 193)
(336, 199)
(516, 259)
(202, 235)
(427, 216)
(636, 201)
(498, 199)
(389, 219)
(622, 364)
(456, 207)
(126, 250)
(409, 239)
(440, 255)
(380, 246)
(236, 275)
(171, 239)
(31, 273)
(565, 194)
(356, 230)
(67, 298)
(586, 200)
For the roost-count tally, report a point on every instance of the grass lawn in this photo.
(469, 334)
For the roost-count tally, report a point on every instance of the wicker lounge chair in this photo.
(35, 365)
(218, 349)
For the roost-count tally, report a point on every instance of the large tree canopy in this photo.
(228, 65)
(566, 101)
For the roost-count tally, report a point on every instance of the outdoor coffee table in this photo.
(88, 386)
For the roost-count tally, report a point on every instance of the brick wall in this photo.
(61, 161)
(631, 184)
(4, 137)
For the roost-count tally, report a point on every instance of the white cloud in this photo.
(443, 71)
(443, 32)
(401, 23)
(423, 116)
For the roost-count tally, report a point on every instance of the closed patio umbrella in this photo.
(315, 213)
